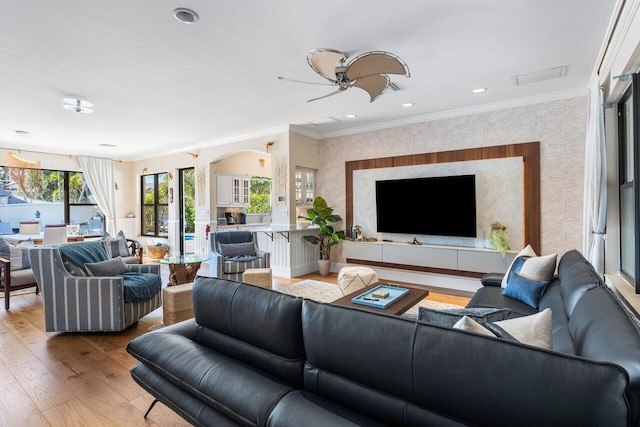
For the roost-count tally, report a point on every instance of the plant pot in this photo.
(324, 267)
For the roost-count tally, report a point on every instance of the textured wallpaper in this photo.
(499, 197)
(560, 126)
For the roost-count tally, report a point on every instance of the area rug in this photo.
(326, 292)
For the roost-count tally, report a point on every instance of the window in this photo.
(50, 196)
(260, 195)
(628, 183)
(155, 205)
(305, 186)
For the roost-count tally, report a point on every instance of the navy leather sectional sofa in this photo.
(253, 356)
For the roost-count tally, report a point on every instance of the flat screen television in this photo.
(441, 206)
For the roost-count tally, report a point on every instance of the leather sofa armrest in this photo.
(492, 279)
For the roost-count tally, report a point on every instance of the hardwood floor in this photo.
(83, 379)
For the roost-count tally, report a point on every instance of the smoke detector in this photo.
(77, 105)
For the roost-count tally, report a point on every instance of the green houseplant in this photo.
(322, 216)
(498, 237)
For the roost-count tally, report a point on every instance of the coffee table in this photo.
(183, 269)
(415, 295)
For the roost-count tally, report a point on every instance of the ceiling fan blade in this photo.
(377, 62)
(374, 85)
(324, 61)
(340, 89)
(285, 79)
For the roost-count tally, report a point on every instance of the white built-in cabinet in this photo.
(233, 190)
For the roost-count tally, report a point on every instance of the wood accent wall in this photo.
(530, 153)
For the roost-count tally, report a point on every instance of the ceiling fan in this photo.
(367, 71)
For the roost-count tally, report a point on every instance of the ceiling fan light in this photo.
(408, 104)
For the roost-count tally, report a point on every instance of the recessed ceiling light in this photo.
(185, 15)
(407, 104)
(479, 90)
(351, 116)
(24, 133)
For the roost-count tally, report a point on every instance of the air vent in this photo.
(538, 76)
(326, 121)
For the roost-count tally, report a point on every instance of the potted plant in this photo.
(498, 237)
(322, 216)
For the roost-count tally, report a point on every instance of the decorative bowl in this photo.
(157, 252)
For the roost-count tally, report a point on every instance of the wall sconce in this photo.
(268, 145)
(145, 170)
(170, 175)
(194, 155)
(116, 186)
(261, 162)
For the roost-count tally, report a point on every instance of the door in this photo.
(187, 195)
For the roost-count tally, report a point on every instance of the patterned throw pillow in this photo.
(116, 246)
(17, 255)
(527, 285)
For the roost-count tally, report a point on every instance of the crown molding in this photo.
(512, 103)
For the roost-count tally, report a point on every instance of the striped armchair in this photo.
(233, 252)
(75, 303)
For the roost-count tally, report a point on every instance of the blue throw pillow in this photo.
(526, 290)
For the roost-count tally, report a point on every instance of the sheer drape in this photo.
(99, 175)
(595, 182)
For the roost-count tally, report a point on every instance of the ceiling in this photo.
(160, 86)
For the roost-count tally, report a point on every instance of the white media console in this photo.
(455, 260)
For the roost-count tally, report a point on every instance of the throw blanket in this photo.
(81, 253)
(141, 286)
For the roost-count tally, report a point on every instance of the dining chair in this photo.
(54, 234)
(29, 227)
(5, 227)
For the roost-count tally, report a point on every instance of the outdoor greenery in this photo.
(322, 215)
(189, 202)
(44, 185)
(260, 197)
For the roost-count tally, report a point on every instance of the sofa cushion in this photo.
(17, 255)
(242, 264)
(240, 392)
(529, 291)
(577, 276)
(448, 317)
(527, 251)
(603, 328)
(237, 249)
(552, 299)
(141, 286)
(275, 346)
(533, 330)
(116, 245)
(111, 267)
(22, 277)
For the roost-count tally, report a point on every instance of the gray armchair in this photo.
(234, 252)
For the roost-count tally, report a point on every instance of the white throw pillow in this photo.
(528, 251)
(539, 268)
(466, 323)
(533, 330)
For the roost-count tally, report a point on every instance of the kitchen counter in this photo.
(291, 255)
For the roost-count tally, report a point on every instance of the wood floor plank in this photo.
(44, 389)
(72, 413)
(17, 409)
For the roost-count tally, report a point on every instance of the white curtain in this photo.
(595, 182)
(100, 177)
